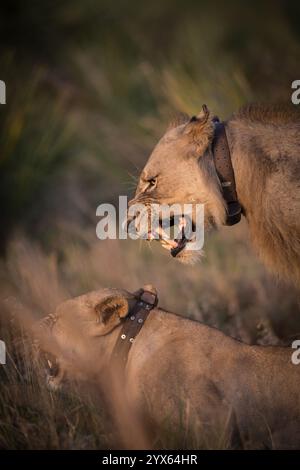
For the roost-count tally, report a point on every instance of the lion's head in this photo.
(180, 171)
(77, 339)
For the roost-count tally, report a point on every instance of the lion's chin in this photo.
(190, 257)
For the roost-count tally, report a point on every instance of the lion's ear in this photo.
(200, 128)
(111, 311)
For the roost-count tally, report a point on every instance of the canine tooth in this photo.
(151, 236)
(169, 244)
(172, 243)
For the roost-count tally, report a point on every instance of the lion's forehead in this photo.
(88, 300)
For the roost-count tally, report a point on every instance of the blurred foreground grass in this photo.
(228, 291)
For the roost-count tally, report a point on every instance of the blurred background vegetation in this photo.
(91, 86)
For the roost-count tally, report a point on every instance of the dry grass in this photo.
(230, 290)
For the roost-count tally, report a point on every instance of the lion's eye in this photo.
(152, 182)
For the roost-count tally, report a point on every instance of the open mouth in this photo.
(177, 243)
(174, 233)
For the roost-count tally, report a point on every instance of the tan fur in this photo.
(265, 150)
(180, 373)
(265, 147)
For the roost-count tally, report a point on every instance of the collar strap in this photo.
(223, 164)
(132, 324)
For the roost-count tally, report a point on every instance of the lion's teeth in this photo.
(169, 244)
(167, 247)
(172, 243)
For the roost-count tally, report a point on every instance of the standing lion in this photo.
(263, 151)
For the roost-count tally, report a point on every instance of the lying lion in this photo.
(177, 373)
(190, 164)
